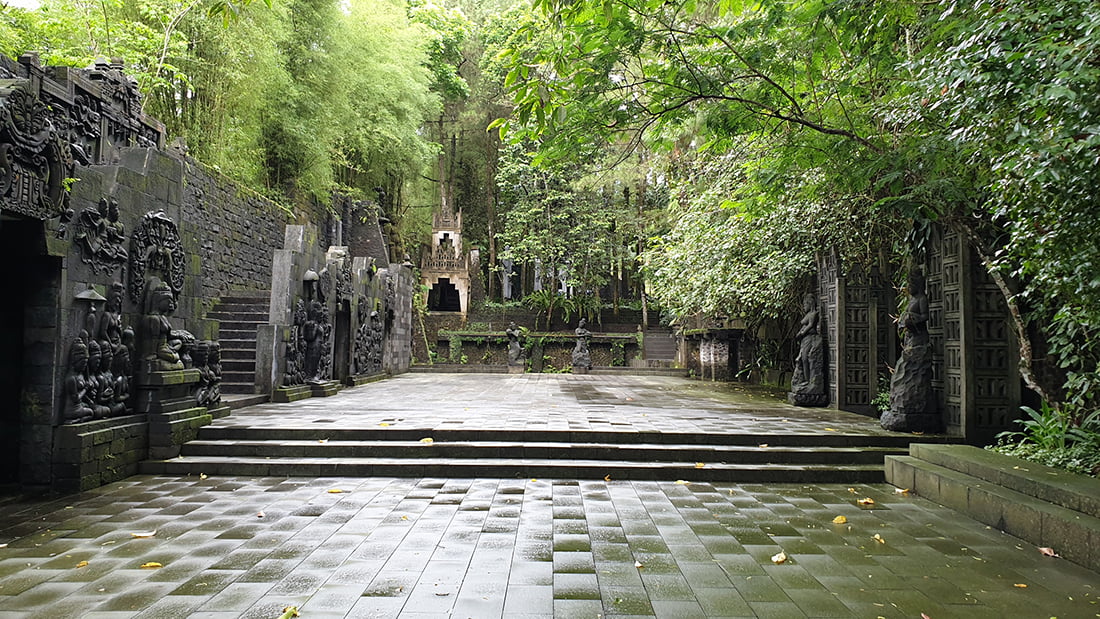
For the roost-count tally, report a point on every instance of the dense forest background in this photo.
(703, 152)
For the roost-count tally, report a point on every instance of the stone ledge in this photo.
(1076, 492)
(1072, 534)
(291, 394)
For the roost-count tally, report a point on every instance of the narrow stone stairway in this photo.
(747, 458)
(239, 314)
(660, 347)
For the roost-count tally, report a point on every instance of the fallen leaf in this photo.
(924, 616)
(918, 434)
(852, 490)
(781, 557)
(607, 477)
(763, 445)
(404, 517)
(700, 465)
(1049, 552)
(334, 491)
(427, 441)
(384, 424)
(681, 482)
(82, 564)
(143, 534)
(3, 545)
(202, 475)
(1020, 585)
(878, 538)
(259, 514)
(830, 429)
(533, 479)
(289, 612)
(151, 565)
(638, 565)
(867, 502)
(322, 440)
(840, 520)
(901, 491)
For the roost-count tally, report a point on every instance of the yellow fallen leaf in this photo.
(700, 465)
(840, 520)
(830, 429)
(866, 502)
(901, 491)
(852, 490)
(681, 482)
(289, 612)
(334, 491)
(1020, 585)
(82, 564)
(202, 475)
(1048, 552)
(143, 534)
(427, 441)
(607, 477)
(322, 440)
(878, 538)
(384, 424)
(781, 557)
(151, 565)
(763, 445)
(404, 517)
(533, 479)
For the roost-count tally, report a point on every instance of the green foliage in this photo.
(1055, 439)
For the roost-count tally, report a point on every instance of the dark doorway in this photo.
(14, 251)
(443, 297)
(342, 345)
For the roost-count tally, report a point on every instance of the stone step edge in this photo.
(1073, 535)
(1077, 492)
(503, 467)
(245, 433)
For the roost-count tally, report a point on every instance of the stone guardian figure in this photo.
(581, 357)
(515, 346)
(911, 408)
(808, 382)
(157, 354)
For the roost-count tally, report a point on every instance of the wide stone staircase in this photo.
(350, 452)
(239, 315)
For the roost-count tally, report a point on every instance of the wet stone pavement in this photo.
(429, 548)
(539, 548)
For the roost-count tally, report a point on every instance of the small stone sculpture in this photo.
(313, 335)
(78, 406)
(101, 390)
(214, 364)
(808, 382)
(581, 357)
(515, 347)
(911, 386)
(157, 354)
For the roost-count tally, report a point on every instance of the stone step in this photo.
(243, 353)
(241, 325)
(239, 313)
(1034, 520)
(240, 400)
(246, 296)
(236, 343)
(238, 365)
(510, 468)
(574, 437)
(243, 335)
(415, 450)
(240, 388)
(234, 376)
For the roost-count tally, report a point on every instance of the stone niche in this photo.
(334, 319)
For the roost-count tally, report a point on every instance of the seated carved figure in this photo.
(100, 390)
(157, 353)
(78, 407)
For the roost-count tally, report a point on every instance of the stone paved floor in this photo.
(480, 548)
(555, 402)
(486, 548)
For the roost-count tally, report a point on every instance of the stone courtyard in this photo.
(243, 546)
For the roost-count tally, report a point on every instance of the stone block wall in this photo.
(88, 455)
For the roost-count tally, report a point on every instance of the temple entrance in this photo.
(342, 338)
(444, 297)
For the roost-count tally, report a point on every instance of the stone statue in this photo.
(78, 406)
(157, 355)
(101, 390)
(123, 371)
(911, 386)
(581, 357)
(214, 364)
(515, 346)
(110, 325)
(313, 335)
(199, 359)
(182, 341)
(808, 382)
